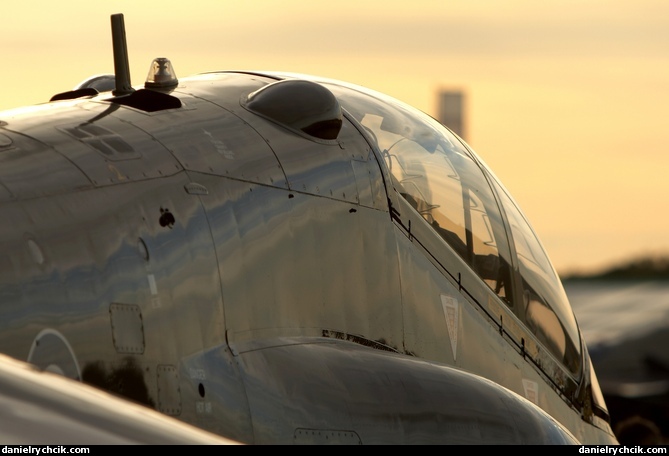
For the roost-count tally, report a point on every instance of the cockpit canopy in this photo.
(461, 199)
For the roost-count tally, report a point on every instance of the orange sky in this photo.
(566, 100)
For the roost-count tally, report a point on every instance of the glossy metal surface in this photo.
(263, 283)
(41, 408)
(413, 402)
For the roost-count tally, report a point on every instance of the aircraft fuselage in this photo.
(213, 260)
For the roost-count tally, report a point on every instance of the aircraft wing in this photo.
(44, 408)
(342, 392)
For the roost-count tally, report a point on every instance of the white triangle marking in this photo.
(451, 313)
(531, 390)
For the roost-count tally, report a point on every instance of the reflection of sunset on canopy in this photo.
(565, 101)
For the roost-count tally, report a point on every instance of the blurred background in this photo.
(567, 101)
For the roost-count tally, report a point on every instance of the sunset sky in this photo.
(567, 101)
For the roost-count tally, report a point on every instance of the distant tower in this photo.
(451, 111)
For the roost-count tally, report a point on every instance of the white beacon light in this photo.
(161, 75)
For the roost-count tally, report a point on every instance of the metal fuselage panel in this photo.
(196, 260)
(116, 282)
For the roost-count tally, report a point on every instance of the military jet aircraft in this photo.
(283, 259)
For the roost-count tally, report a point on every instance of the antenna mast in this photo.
(121, 66)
